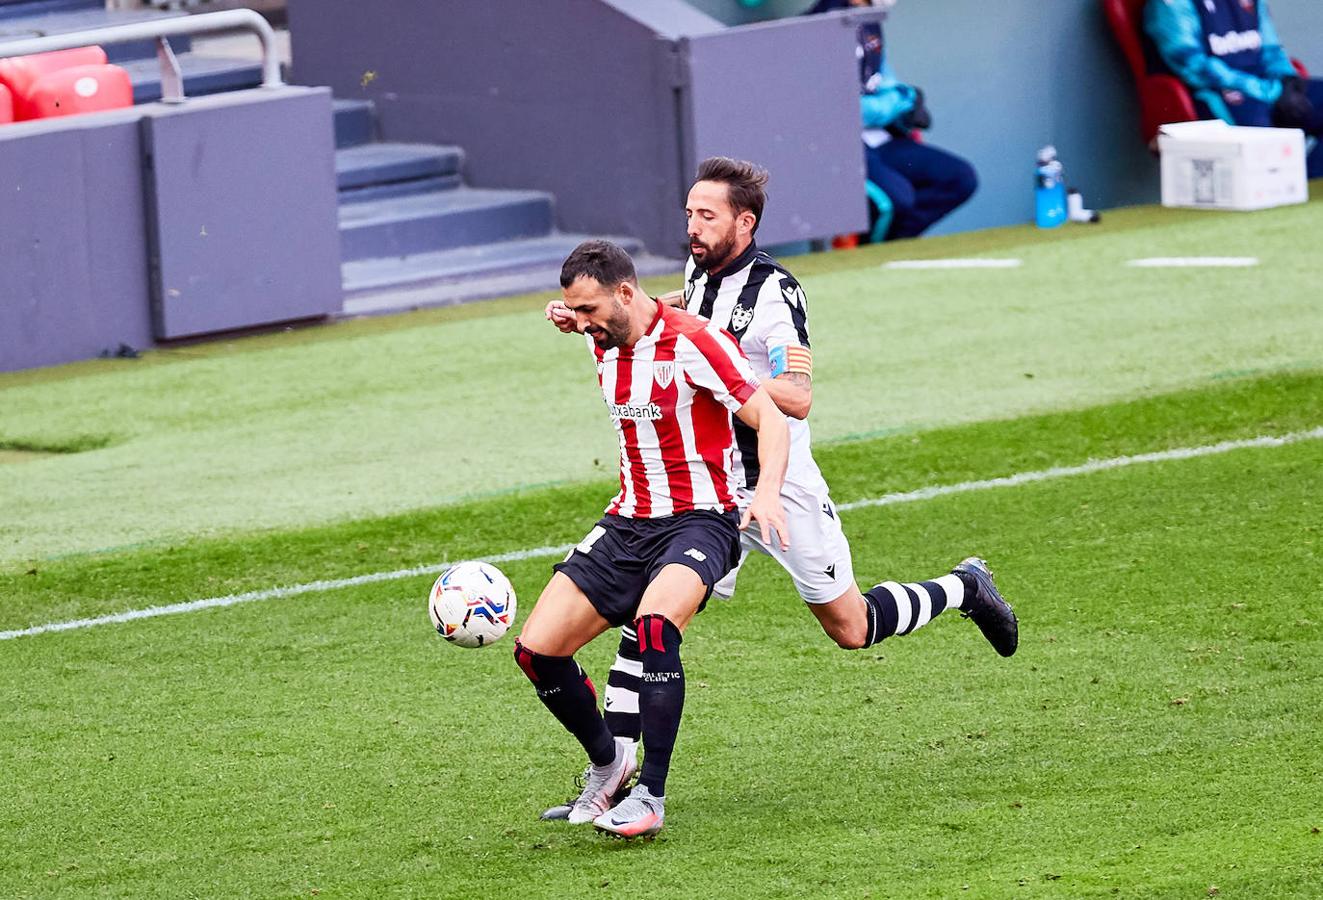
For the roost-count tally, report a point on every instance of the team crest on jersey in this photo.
(663, 373)
(740, 317)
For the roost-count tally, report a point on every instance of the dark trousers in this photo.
(1254, 113)
(922, 182)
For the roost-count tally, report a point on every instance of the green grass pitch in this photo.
(1156, 736)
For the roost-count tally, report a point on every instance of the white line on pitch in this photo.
(953, 264)
(1088, 468)
(152, 612)
(1195, 262)
(927, 493)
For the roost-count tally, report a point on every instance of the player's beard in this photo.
(615, 333)
(716, 255)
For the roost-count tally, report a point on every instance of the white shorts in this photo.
(819, 556)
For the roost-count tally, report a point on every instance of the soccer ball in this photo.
(472, 604)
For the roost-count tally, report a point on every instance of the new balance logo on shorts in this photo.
(695, 554)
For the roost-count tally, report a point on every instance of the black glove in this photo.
(918, 117)
(1292, 109)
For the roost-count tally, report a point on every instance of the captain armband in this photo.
(792, 358)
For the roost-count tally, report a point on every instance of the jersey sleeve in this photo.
(780, 326)
(1276, 62)
(884, 100)
(713, 361)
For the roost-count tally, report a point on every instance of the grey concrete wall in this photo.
(254, 169)
(593, 100)
(805, 132)
(536, 99)
(242, 211)
(73, 266)
(1002, 79)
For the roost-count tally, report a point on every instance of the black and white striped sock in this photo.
(902, 608)
(622, 688)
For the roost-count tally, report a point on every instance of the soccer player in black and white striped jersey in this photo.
(729, 281)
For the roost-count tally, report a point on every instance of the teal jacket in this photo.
(1180, 33)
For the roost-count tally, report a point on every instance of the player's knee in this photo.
(541, 668)
(657, 636)
(848, 635)
(850, 638)
(551, 674)
(524, 658)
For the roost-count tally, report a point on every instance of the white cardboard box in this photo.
(1213, 165)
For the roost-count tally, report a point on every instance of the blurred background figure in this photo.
(1227, 52)
(911, 184)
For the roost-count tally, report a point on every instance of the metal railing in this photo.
(172, 80)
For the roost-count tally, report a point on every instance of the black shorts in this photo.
(620, 557)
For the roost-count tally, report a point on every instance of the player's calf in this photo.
(661, 697)
(565, 689)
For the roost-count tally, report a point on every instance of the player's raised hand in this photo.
(559, 314)
(770, 516)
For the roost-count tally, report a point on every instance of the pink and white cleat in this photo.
(638, 815)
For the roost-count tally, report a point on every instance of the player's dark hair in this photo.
(601, 261)
(745, 183)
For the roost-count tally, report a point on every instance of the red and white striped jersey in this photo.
(671, 396)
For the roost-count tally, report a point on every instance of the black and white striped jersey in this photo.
(758, 301)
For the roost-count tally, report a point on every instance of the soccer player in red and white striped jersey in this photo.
(671, 382)
(730, 281)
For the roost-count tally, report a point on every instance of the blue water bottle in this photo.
(1049, 189)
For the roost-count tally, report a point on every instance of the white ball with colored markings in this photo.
(472, 604)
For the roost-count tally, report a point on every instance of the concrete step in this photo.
(367, 165)
(15, 24)
(202, 75)
(355, 122)
(463, 262)
(401, 189)
(441, 220)
(441, 282)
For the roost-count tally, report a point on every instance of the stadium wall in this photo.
(553, 95)
(1004, 79)
(607, 104)
(158, 222)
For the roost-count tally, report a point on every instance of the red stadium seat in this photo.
(80, 89)
(21, 73)
(1163, 98)
(6, 105)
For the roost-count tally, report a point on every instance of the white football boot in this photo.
(638, 815)
(602, 783)
(562, 811)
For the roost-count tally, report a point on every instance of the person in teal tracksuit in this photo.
(919, 183)
(1227, 52)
